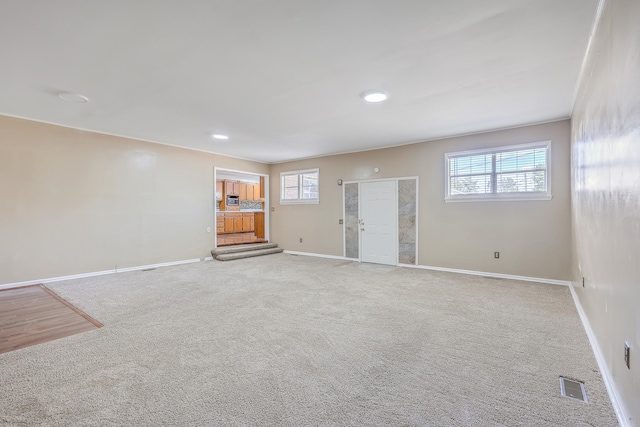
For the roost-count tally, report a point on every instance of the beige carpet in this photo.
(296, 341)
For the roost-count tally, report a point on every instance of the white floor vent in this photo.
(573, 388)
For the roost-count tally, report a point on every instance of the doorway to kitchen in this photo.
(240, 202)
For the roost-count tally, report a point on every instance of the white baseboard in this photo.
(487, 274)
(623, 416)
(319, 255)
(450, 270)
(97, 273)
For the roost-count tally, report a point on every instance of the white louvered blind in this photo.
(508, 172)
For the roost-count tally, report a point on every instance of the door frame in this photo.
(217, 169)
(359, 181)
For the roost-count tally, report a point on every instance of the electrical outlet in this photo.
(496, 254)
(273, 209)
(340, 221)
(627, 351)
(208, 229)
(301, 240)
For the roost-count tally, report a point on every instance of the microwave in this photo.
(233, 201)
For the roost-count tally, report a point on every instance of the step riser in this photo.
(242, 248)
(248, 254)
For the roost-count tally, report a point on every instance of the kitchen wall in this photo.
(77, 202)
(606, 196)
(533, 237)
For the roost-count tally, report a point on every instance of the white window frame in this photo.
(494, 196)
(299, 200)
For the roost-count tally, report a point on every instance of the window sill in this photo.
(497, 198)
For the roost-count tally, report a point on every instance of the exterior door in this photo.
(379, 222)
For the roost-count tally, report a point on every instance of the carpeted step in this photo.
(247, 254)
(242, 248)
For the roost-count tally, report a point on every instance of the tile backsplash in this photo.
(246, 204)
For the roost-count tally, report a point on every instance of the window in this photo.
(299, 186)
(505, 173)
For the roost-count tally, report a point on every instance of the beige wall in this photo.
(606, 194)
(76, 202)
(533, 237)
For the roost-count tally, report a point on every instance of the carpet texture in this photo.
(286, 340)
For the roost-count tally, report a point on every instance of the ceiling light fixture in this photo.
(73, 97)
(219, 136)
(373, 96)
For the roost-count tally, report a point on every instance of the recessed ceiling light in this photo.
(219, 136)
(374, 96)
(73, 97)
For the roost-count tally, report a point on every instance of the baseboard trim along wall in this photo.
(100, 273)
(319, 255)
(487, 274)
(618, 407)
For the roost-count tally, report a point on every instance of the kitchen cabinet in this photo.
(232, 188)
(257, 195)
(247, 222)
(250, 195)
(235, 222)
(259, 224)
(242, 190)
(228, 223)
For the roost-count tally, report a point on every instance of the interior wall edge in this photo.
(616, 402)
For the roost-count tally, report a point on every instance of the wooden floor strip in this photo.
(34, 314)
(74, 308)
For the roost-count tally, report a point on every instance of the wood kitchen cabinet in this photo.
(228, 223)
(259, 224)
(232, 188)
(235, 222)
(250, 195)
(247, 222)
(232, 222)
(257, 195)
(242, 190)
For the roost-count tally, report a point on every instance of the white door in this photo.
(378, 222)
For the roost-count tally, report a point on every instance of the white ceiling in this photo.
(282, 77)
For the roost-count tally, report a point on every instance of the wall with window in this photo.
(606, 197)
(532, 236)
(76, 202)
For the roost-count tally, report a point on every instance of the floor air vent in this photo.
(572, 388)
